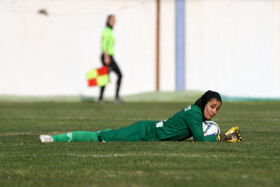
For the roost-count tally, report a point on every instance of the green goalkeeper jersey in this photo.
(184, 124)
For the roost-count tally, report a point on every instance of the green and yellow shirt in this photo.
(108, 41)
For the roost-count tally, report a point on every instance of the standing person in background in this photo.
(108, 41)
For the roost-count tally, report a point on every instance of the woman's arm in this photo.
(195, 125)
(105, 47)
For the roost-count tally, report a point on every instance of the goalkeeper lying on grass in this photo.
(184, 124)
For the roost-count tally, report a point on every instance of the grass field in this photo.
(24, 161)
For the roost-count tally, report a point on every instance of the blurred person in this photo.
(182, 125)
(107, 57)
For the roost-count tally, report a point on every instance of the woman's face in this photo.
(111, 21)
(212, 108)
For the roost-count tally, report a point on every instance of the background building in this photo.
(232, 46)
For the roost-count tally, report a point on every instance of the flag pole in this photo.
(158, 47)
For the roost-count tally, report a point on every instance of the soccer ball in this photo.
(210, 128)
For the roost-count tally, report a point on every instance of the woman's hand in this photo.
(107, 59)
(233, 135)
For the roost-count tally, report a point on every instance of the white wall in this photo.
(233, 46)
(50, 55)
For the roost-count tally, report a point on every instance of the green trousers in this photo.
(139, 131)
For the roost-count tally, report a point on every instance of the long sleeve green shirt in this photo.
(184, 124)
(108, 41)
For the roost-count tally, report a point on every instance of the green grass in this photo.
(24, 161)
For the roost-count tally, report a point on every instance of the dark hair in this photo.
(205, 98)
(108, 18)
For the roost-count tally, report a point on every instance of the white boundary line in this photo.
(170, 155)
(143, 155)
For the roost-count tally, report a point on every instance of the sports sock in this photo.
(77, 136)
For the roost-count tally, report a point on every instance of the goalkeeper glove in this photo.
(233, 135)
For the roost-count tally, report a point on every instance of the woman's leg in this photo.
(102, 89)
(78, 136)
(117, 70)
(101, 94)
(139, 131)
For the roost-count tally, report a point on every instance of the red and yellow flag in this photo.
(98, 77)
